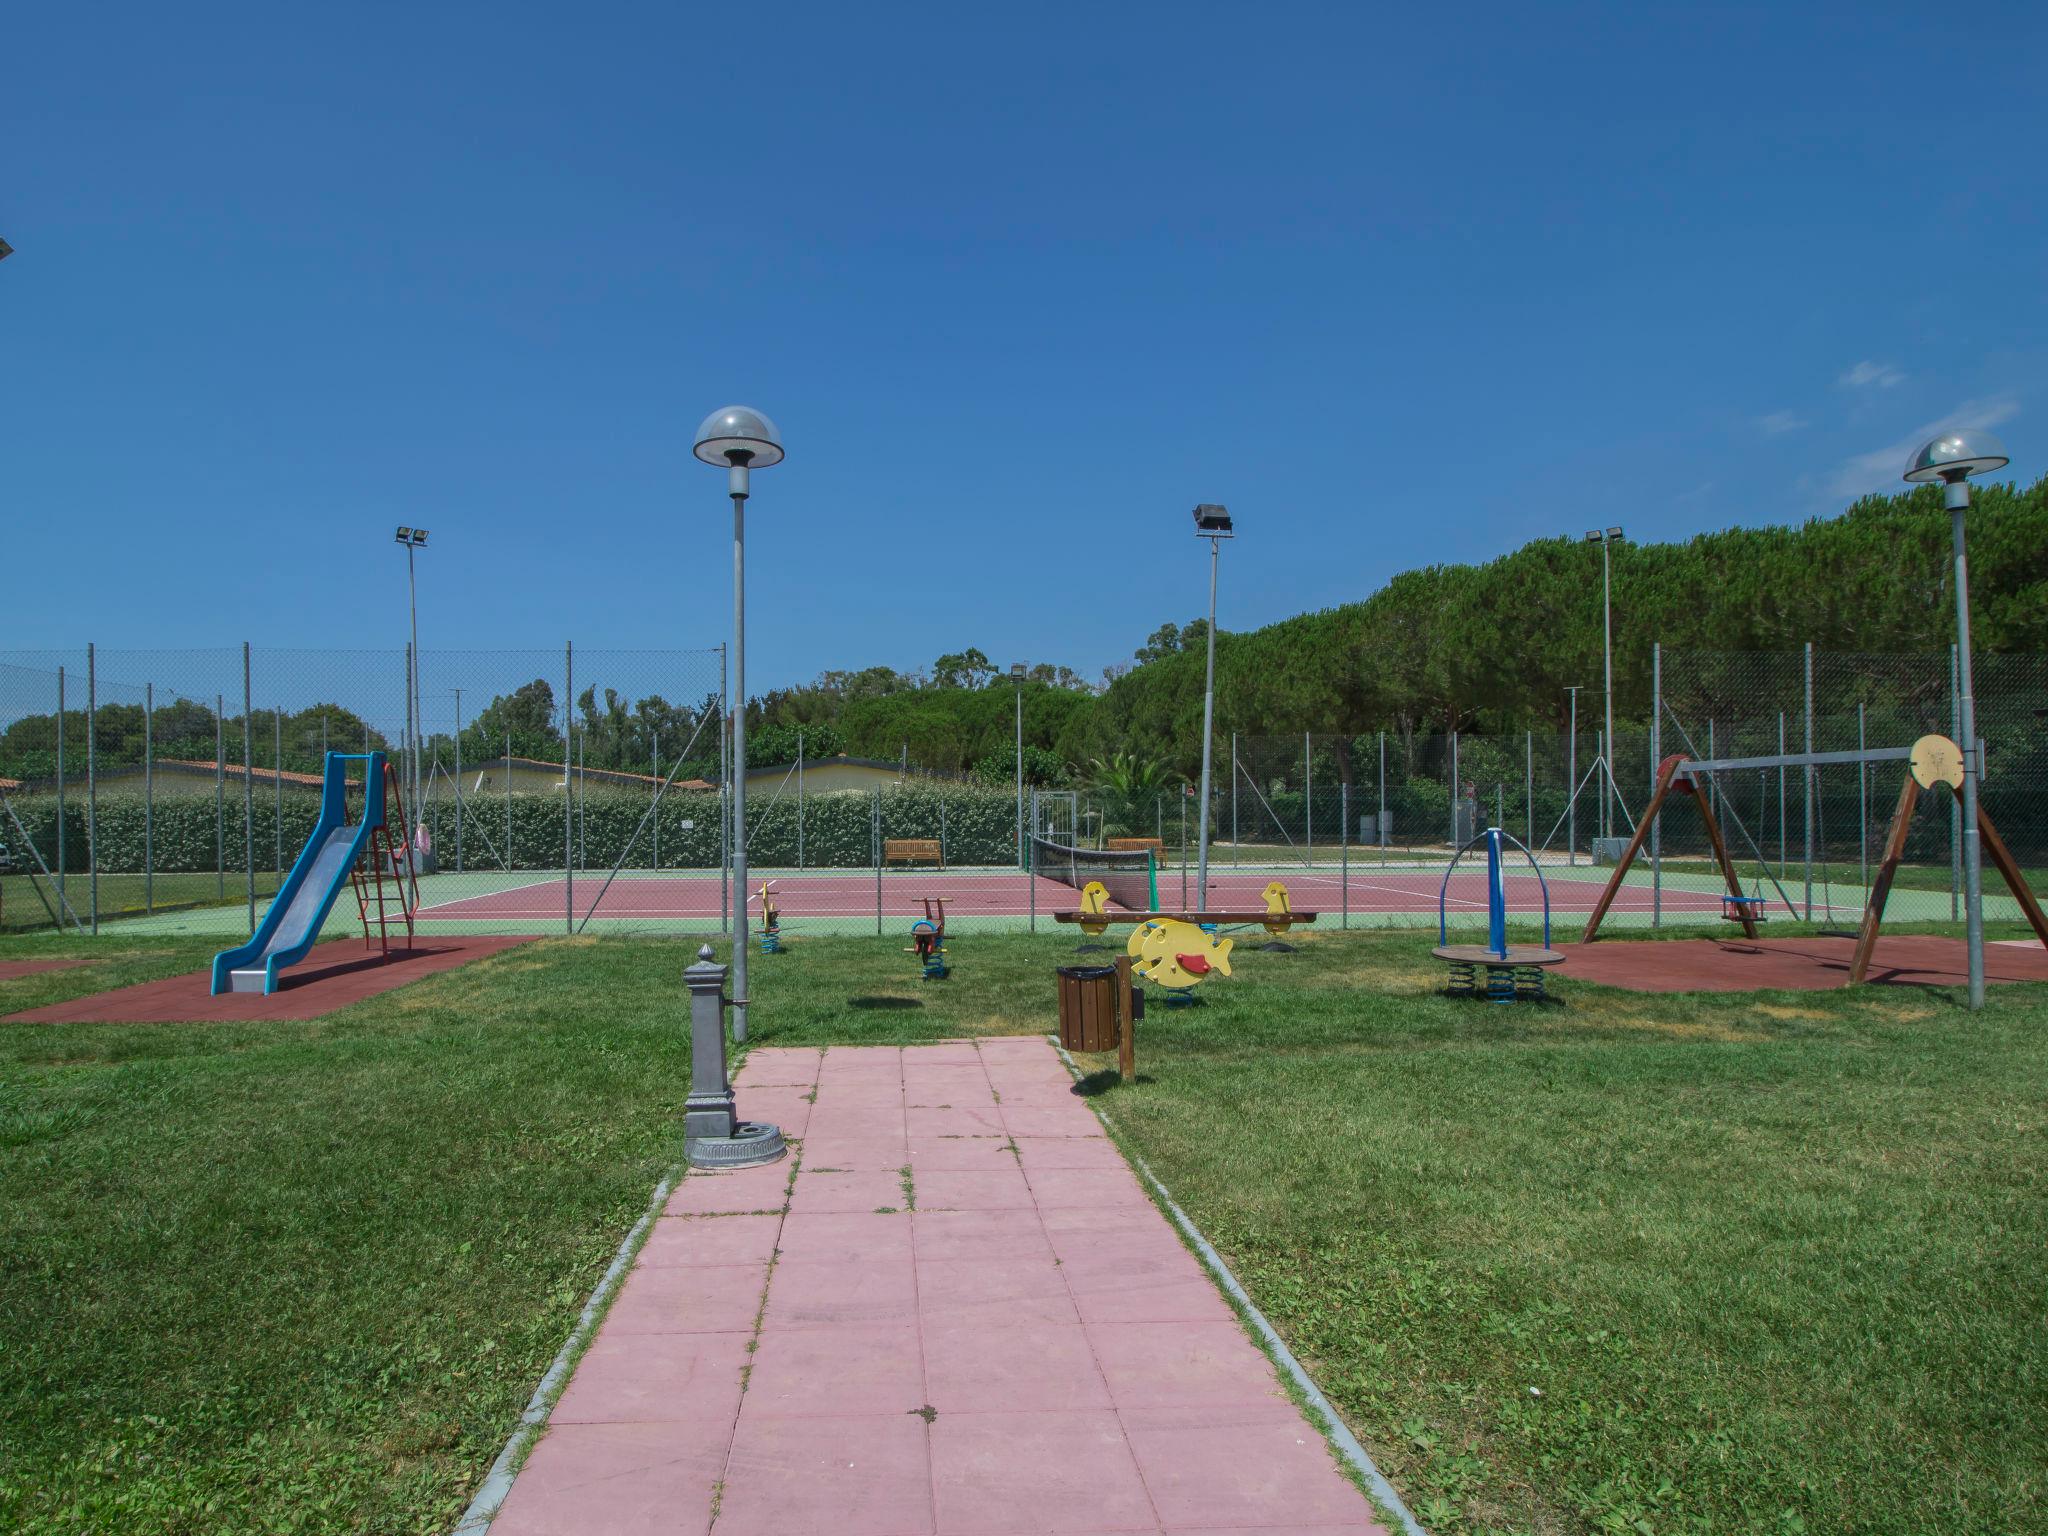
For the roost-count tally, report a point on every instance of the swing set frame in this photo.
(1930, 761)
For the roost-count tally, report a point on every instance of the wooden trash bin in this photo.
(1088, 1013)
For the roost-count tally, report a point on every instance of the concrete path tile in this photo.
(778, 1065)
(960, 1120)
(1289, 1528)
(832, 1237)
(856, 1154)
(644, 1377)
(1184, 1365)
(986, 1189)
(1259, 1469)
(836, 1122)
(1040, 1091)
(691, 1242)
(1092, 1188)
(862, 1093)
(809, 1293)
(948, 1053)
(751, 1189)
(821, 1192)
(621, 1479)
(1043, 1154)
(835, 1372)
(716, 1298)
(1050, 1120)
(1001, 1473)
(979, 1235)
(848, 1477)
(946, 1085)
(993, 1293)
(1131, 1233)
(960, 1154)
(1121, 1297)
(1025, 1367)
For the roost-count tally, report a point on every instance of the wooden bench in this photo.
(912, 850)
(1134, 844)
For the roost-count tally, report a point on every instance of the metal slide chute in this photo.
(292, 926)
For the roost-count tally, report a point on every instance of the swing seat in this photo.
(1735, 909)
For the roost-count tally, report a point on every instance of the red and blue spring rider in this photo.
(1514, 972)
(928, 939)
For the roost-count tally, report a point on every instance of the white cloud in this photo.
(1780, 422)
(1867, 374)
(1879, 469)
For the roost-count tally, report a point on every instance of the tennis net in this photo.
(1130, 877)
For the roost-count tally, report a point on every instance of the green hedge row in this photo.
(975, 825)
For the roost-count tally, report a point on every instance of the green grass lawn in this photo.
(1771, 1261)
(23, 897)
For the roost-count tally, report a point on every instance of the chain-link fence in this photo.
(564, 790)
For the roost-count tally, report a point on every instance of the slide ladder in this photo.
(329, 860)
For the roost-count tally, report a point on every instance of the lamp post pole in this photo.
(741, 440)
(1017, 686)
(1951, 459)
(1212, 522)
(414, 539)
(1606, 538)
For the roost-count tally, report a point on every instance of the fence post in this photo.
(1183, 851)
(249, 788)
(458, 781)
(277, 781)
(568, 796)
(1529, 784)
(148, 798)
(1781, 796)
(1380, 831)
(1809, 776)
(1233, 808)
(1571, 805)
(657, 804)
(92, 783)
(1031, 869)
(875, 847)
(1862, 808)
(799, 800)
(508, 799)
(62, 861)
(1656, 821)
(1344, 846)
(1454, 789)
(1308, 806)
(220, 795)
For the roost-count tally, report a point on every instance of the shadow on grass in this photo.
(1096, 1084)
(887, 1004)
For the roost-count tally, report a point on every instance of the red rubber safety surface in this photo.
(334, 975)
(1798, 965)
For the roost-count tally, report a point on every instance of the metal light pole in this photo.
(1212, 522)
(1571, 806)
(414, 540)
(741, 439)
(1607, 538)
(1017, 685)
(1951, 459)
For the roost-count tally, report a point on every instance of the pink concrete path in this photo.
(954, 1312)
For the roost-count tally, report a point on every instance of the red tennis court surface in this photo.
(332, 976)
(1010, 894)
(1798, 965)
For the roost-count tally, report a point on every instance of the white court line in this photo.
(529, 885)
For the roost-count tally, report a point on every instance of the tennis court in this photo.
(695, 900)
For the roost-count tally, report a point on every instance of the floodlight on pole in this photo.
(1017, 686)
(414, 540)
(1212, 522)
(1951, 459)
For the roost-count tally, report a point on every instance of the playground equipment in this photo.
(362, 855)
(1929, 761)
(771, 918)
(928, 939)
(1171, 949)
(1514, 972)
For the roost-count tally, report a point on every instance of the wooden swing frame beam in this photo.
(1675, 776)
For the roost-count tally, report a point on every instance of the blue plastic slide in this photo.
(292, 925)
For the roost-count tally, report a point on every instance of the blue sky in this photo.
(1021, 287)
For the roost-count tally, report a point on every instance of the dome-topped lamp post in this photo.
(1951, 459)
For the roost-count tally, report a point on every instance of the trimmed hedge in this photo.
(974, 824)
